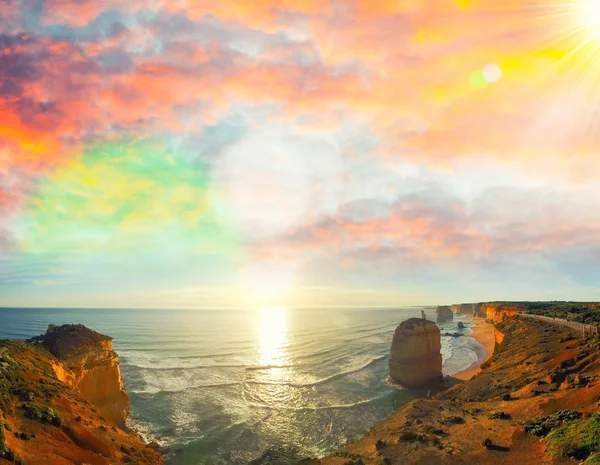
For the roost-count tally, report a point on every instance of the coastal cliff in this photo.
(534, 402)
(478, 311)
(496, 312)
(463, 309)
(93, 367)
(62, 402)
(415, 353)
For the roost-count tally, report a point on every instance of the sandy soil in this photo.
(484, 333)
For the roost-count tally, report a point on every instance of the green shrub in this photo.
(578, 439)
(45, 414)
(5, 452)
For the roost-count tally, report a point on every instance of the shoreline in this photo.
(483, 333)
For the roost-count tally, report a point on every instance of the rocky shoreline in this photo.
(535, 401)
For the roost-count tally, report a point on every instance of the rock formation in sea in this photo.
(92, 367)
(416, 359)
(48, 392)
(444, 313)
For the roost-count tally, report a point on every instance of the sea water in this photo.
(228, 386)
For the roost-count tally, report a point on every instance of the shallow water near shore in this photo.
(228, 386)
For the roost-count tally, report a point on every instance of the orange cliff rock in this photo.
(92, 367)
(415, 354)
(47, 418)
(496, 312)
(499, 336)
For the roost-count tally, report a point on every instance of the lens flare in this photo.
(591, 15)
(492, 73)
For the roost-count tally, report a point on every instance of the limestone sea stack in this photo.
(444, 313)
(93, 367)
(416, 359)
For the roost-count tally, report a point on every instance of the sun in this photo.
(269, 284)
(590, 10)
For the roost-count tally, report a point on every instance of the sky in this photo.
(200, 153)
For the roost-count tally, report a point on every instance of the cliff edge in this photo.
(93, 365)
(48, 411)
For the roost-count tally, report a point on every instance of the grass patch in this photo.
(593, 459)
(577, 439)
(5, 452)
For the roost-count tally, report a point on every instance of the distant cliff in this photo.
(416, 353)
(62, 400)
(496, 312)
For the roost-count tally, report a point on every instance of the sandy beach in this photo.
(483, 332)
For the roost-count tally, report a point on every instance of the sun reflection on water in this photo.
(272, 335)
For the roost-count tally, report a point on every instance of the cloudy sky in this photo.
(200, 153)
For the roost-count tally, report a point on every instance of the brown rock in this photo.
(415, 354)
(92, 367)
(444, 313)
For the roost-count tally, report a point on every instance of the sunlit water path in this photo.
(224, 386)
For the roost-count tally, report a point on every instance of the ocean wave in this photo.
(183, 389)
(266, 367)
(296, 385)
(323, 380)
(184, 367)
(329, 407)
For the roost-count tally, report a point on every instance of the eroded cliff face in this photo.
(498, 336)
(497, 312)
(478, 311)
(444, 313)
(92, 367)
(415, 354)
(45, 420)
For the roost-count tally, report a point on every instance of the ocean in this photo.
(234, 386)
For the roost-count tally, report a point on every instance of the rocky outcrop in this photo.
(496, 312)
(498, 336)
(444, 313)
(45, 420)
(478, 311)
(92, 367)
(416, 359)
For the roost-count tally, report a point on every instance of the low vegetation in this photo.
(45, 414)
(582, 312)
(578, 439)
(5, 452)
(545, 425)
